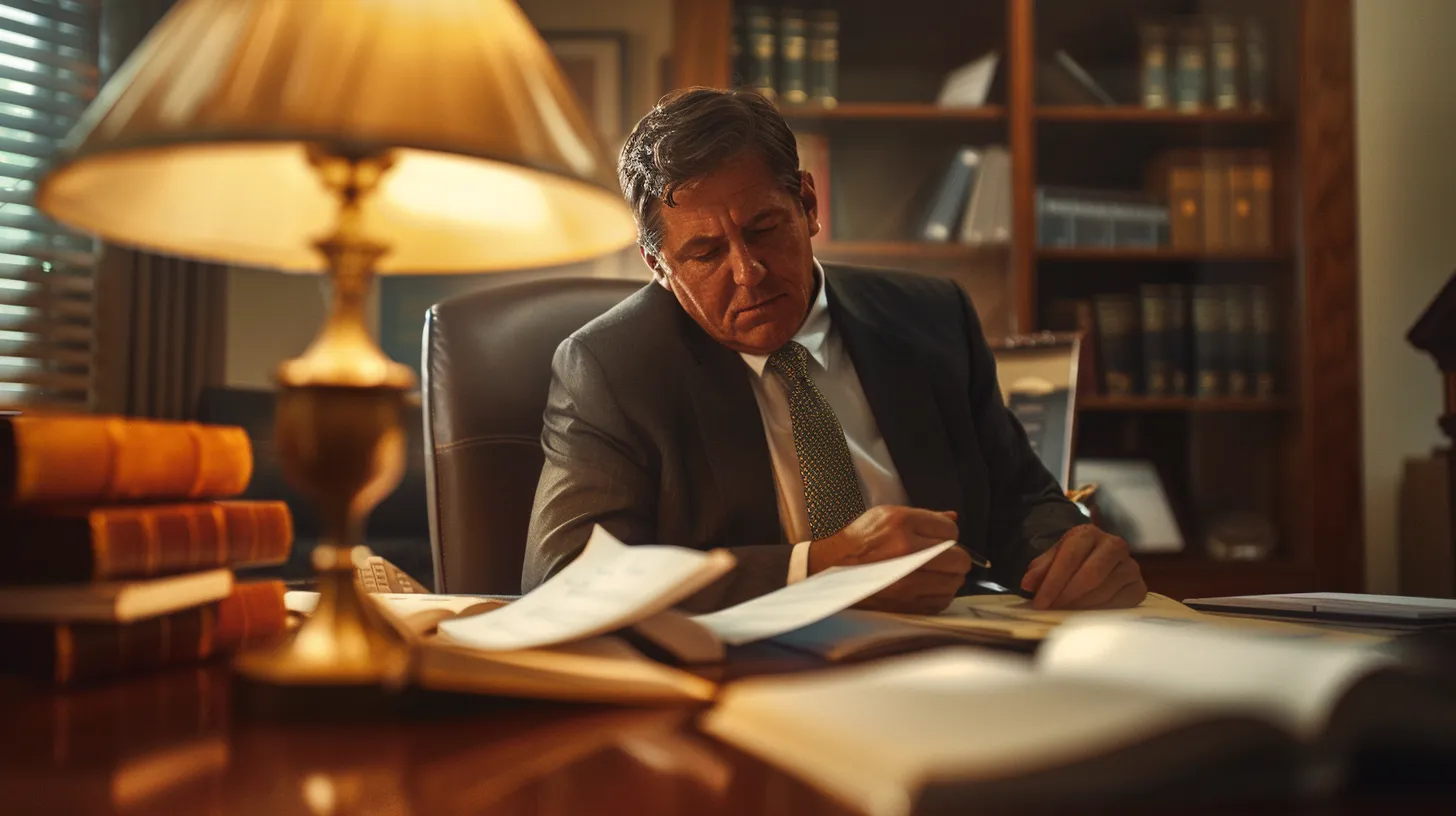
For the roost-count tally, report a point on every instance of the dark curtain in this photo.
(160, 321)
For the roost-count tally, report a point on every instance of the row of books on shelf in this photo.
(969, 202)
(789, 54)
(972, 202)
(1187, 63)
(1203, 62)
(1079, 217)
(1168, 340)
(1215, 200)
(122, 537)
(1193, 200)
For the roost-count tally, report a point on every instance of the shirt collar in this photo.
(813, 333)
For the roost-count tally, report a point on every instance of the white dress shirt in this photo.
(833, 373)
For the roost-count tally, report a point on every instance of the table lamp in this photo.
(353, 137)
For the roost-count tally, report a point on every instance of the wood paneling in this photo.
(1333, 487)
(701, 31)
(1021, 52)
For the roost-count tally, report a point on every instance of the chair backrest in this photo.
(486, 366)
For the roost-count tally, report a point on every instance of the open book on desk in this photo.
(1111, 708)
(1011, 621)
(571, 622)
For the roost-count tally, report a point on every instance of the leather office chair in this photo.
(487, 368)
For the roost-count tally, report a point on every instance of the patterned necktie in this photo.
(831, 486)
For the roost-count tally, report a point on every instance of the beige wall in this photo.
(647, 23)
(1407, 177)
(272, 316)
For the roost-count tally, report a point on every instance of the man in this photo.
(802, 416)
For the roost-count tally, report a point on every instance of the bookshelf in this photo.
(1094, 114)
(1102, 402)
(1161, 254)
(1289, 457)
(893, 111)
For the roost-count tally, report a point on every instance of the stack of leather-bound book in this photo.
(119, 539)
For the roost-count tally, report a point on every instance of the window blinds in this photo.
(48, 74)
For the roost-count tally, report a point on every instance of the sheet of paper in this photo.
(608, 586)
(812, 599)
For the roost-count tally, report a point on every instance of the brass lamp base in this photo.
(340, 442)
(345, 642)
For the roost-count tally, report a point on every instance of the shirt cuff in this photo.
(799, 562)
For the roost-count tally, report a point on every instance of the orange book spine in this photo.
(73, 653)
(143, 541)
(105, 459)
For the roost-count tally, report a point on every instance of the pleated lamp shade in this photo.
(199, 145)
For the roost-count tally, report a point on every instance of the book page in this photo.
(812, 599)
(872, 735)
(597, 670)
(608, 586)
(1288, 675)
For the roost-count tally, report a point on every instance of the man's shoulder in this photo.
(872, 281)
(637, 338)
(892, 293)
(649, 309)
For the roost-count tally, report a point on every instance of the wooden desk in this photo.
(175, 743)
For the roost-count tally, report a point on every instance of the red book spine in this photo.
(50, 459)
(120, 542)
(73, 653)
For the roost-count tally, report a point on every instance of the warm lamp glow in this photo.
(199, 145)
(435, 212)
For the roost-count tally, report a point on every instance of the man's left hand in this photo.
(1087, 569)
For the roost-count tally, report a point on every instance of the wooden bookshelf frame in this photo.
(1321, 480)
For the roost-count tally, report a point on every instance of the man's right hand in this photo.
(890, 531)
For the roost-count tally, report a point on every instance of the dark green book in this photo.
(1178, 356)
(1238, 341)
(1157, 367)
(1119, 343)
(1190, 73)
(758, 22)
(1262, 362)
(1153, 71)
(1208, 340)
(793, 57)
(824, 57)
(1223, 51)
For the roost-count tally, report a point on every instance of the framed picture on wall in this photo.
(595, 65)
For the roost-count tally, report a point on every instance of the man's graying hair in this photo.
(691, 133)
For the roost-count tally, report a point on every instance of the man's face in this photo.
(736, 253)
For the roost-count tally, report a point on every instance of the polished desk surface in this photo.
(188, 741)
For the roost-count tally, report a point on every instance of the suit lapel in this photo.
(899, 394)
(731, 430)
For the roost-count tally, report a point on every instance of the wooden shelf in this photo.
(1162, 254)
(1100, 402)
(1095, 113)
(894, 111)
(925, 250)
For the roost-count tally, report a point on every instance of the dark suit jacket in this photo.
(652, 431)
